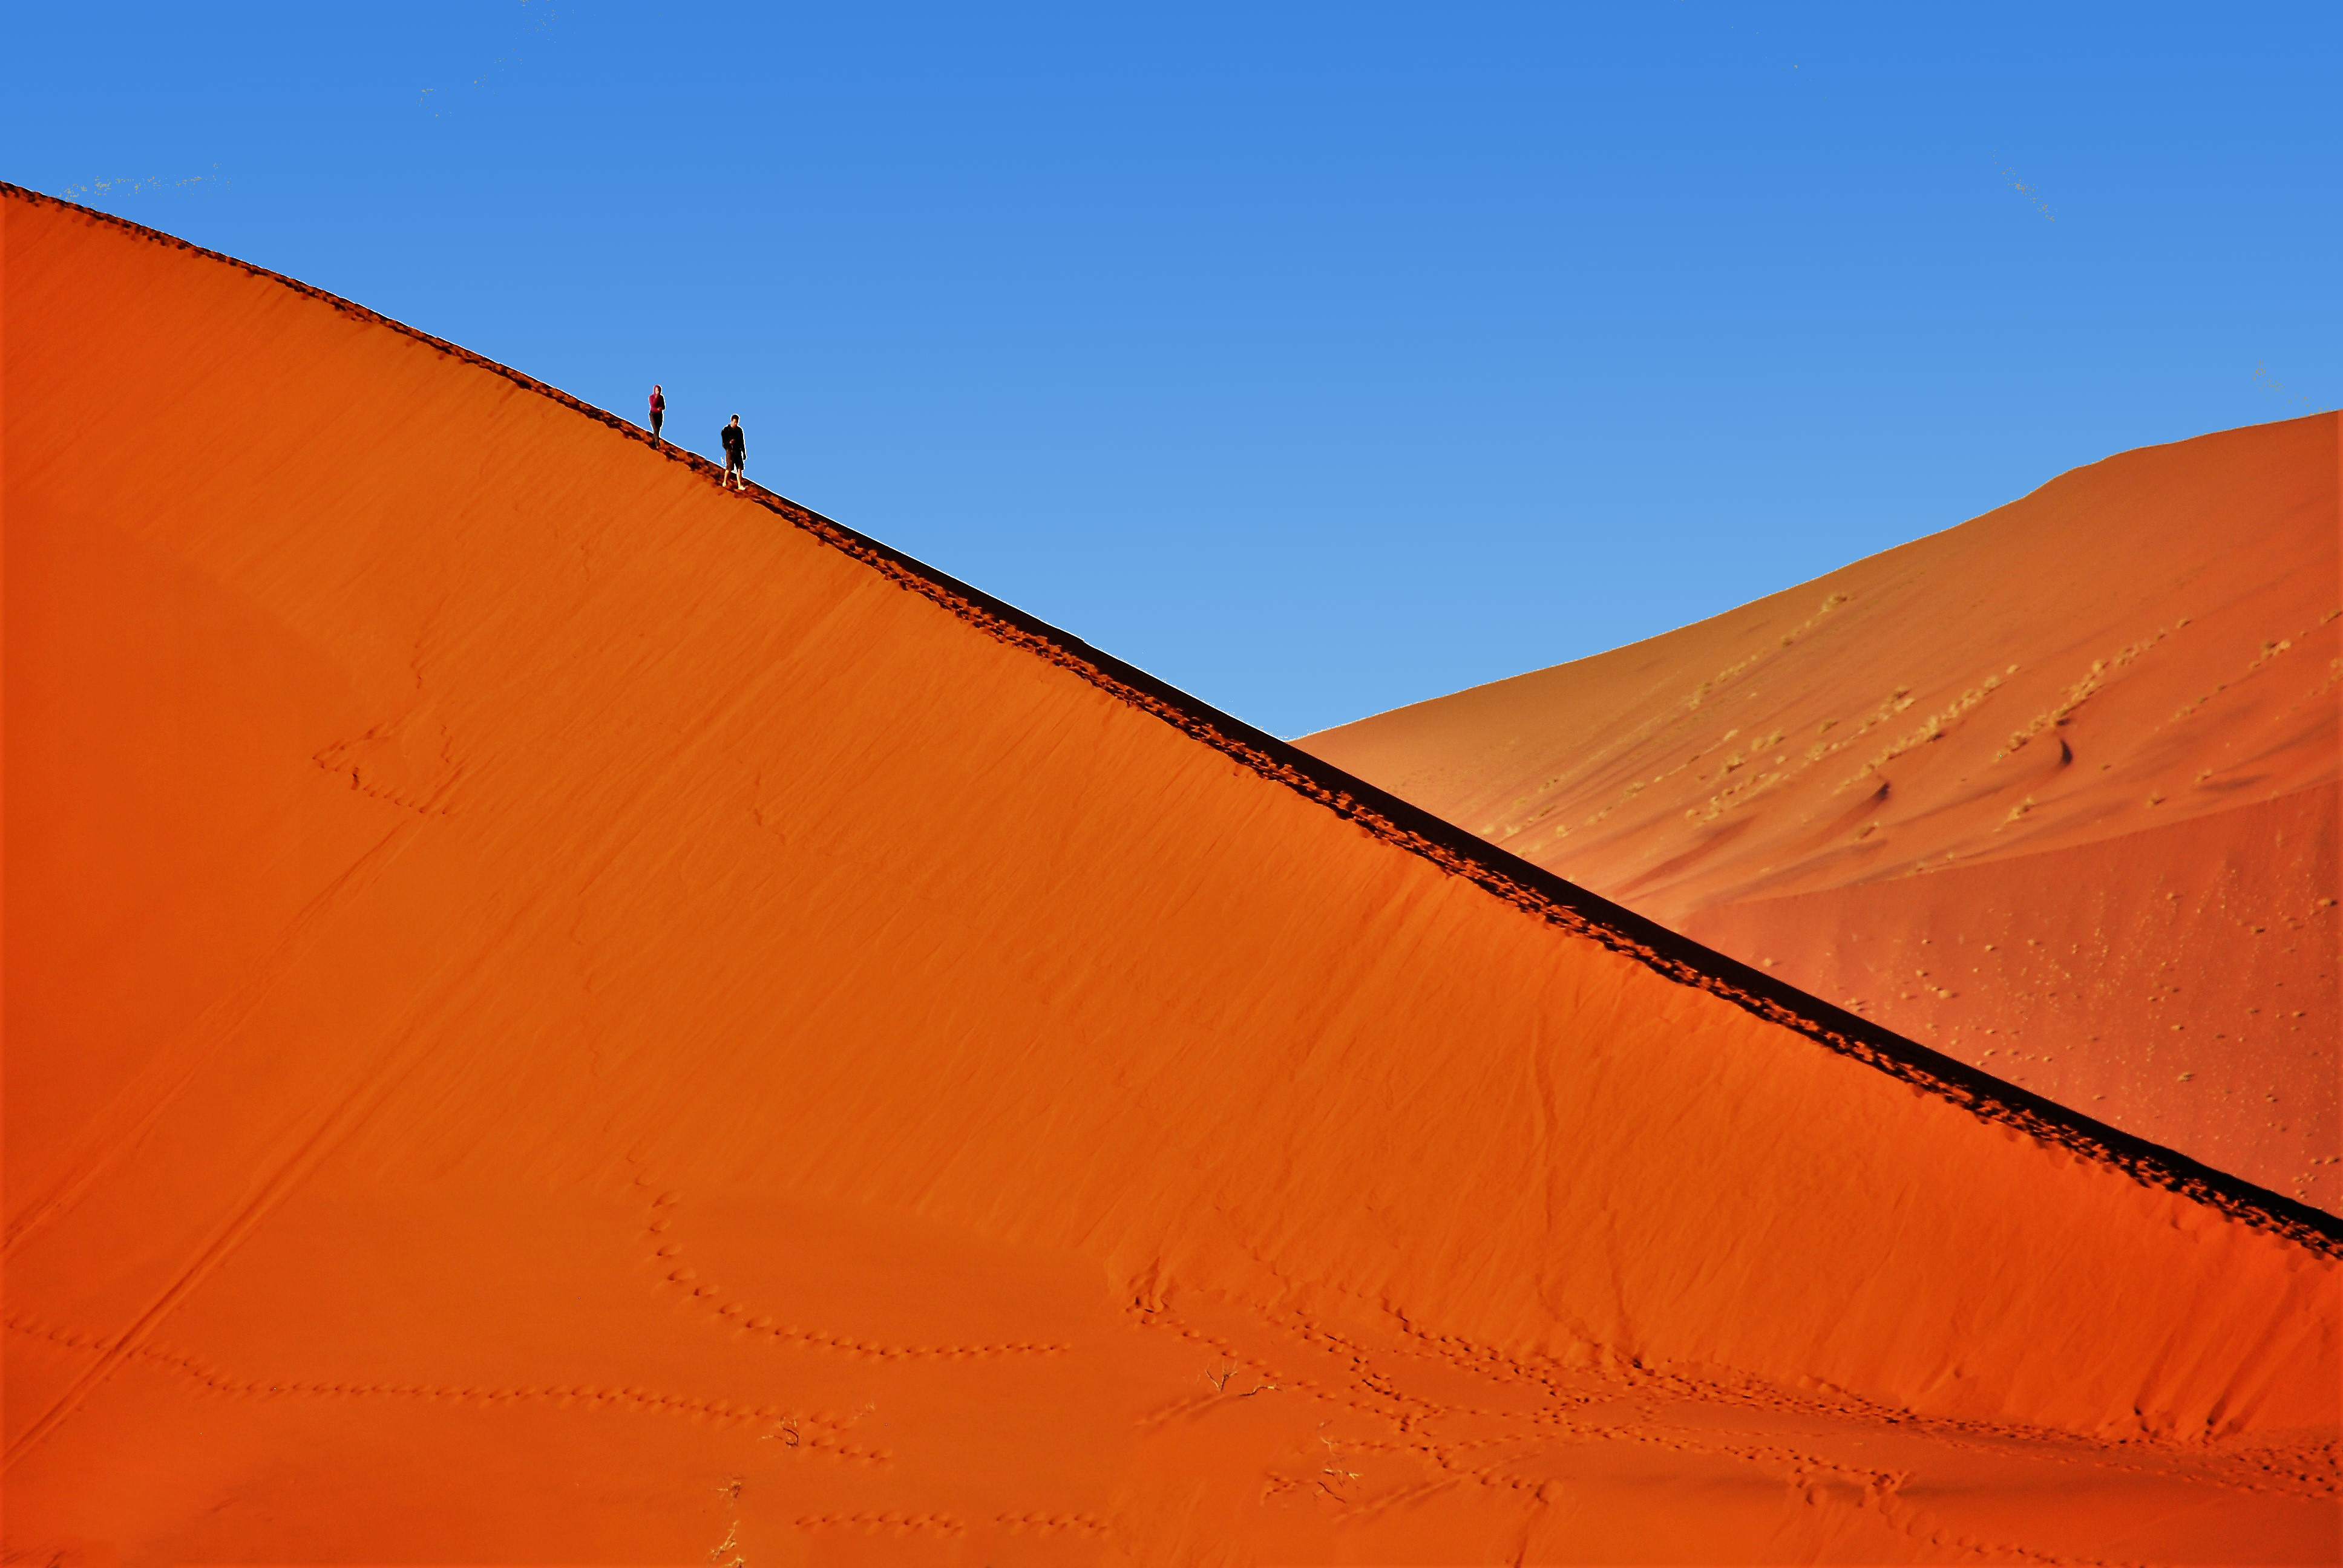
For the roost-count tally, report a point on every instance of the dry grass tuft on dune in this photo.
(2055, 791)
(557, 1014)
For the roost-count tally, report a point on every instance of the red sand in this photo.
(2055, 791)
(558, 1015)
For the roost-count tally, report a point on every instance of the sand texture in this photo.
(555, 1014)
(2055, 791)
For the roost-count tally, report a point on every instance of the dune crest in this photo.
(557, 1014)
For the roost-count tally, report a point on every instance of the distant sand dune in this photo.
(555, 1014)
(2055, 791)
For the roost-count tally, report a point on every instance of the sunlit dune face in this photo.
(561, 1014)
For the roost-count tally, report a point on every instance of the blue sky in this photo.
(1318, 359)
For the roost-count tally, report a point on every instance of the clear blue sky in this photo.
(1319, 360)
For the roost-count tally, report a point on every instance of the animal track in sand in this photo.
(814, 1432)
(2312, 1472)
(739, 1315)
(1052, 1524)
(2309, 1474)
(2270, 649)
(894, 1523)
(1788, 639)
(1334, 1482)
(900, 1523)
(2094, 680)
(364, 760)
(1935, 727)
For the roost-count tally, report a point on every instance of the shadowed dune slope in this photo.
(2055, 791)
(555, 1014)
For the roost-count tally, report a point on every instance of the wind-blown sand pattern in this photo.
(557, 1014)
(2055, 791)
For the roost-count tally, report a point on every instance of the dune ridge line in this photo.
(1528, 888)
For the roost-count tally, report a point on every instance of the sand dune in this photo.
(2055, 791)
(559, 1015)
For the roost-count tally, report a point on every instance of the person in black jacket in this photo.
(735, 456)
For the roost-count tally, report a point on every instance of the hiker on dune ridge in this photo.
(735, 456)
(658, 411)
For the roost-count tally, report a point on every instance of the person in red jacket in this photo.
(658, 411)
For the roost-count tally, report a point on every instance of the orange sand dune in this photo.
(559, 1015)
(2055, 791)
